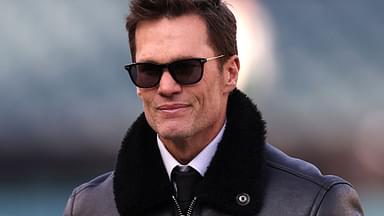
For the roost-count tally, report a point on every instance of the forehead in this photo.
(167, 38)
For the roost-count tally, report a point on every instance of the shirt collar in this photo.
(199, 163)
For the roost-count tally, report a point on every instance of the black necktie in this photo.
(185, 178)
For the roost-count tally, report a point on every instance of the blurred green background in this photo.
(315, 69)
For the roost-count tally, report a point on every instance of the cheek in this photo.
(145, 99)
(210, 102)
(144, 95)
(216, 95)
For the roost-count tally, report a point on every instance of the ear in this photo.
(231, 73)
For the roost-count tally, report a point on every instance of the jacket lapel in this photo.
(141, 182)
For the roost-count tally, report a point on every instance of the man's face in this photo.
(181, 112)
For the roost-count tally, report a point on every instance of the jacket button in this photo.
(243, 199)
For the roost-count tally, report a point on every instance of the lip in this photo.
(172, 107)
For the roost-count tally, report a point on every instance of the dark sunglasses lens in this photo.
(145, 75)
(187, 71)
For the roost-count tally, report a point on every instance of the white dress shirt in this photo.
(200, 163)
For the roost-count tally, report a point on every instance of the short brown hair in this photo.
(220, 21)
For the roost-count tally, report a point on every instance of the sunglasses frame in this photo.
(167, 66)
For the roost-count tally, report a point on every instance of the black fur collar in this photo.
(141, 182)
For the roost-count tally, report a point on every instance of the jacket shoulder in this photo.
(278, 161)
(93, 198)
(302, 184)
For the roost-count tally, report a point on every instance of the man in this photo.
(199, 148)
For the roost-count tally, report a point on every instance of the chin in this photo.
(174, 133)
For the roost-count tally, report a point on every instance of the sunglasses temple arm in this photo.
(216, 57)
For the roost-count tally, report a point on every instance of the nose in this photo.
(168, 86)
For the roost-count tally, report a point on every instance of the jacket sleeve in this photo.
(340, 200)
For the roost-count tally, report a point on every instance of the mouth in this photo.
(172, 108)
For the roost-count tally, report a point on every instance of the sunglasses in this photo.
(184, 72)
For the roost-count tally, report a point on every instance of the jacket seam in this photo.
(91, 184)
(73, 204)
(86, 186)
(300, 175)
(77, 192)
(315, 207)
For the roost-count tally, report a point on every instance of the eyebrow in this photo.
(172, 60)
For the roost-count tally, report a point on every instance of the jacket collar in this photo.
(141, 182)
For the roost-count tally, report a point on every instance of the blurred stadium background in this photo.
(315, 68)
